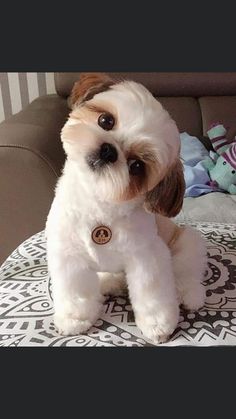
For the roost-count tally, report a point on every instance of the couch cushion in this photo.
(165, 84)
(37, 127)
(31, 158)
(221, 109)
(186, 113)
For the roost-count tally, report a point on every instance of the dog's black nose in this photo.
(108, 153)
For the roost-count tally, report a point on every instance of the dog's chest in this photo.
(110, 242)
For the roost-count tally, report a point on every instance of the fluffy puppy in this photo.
(121, 181)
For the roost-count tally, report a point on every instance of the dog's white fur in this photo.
(160, 273)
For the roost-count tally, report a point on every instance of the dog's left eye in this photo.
(136, 167)
(106, 121)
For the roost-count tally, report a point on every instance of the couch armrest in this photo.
(31, 158)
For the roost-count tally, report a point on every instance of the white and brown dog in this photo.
(121, 181)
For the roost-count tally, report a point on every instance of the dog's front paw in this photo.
(68, 326)
(75, 319)
(158, 327)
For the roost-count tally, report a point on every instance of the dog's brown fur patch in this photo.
(141, 184)
(134, 189)
(88, 86)
(167, 196)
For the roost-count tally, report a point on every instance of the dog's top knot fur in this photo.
(88, 86)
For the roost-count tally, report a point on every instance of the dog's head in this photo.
(125, 144)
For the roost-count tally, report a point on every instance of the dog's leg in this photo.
(189, 265)
(76, 294)
(152, 291)
(112, 283)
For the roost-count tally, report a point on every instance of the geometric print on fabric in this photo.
(26, 304)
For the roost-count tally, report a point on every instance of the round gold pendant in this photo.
(101, 235)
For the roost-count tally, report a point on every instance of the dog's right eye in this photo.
(136, 167)
(106, 121)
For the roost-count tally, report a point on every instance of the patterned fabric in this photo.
(26, 306)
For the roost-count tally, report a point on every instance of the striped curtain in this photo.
(17, 90)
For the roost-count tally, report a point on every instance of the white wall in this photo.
(17, 90)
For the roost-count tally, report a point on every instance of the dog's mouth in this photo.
(106, 155)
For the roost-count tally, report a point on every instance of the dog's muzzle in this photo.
(105, 155)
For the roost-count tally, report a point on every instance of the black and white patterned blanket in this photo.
(26, 306)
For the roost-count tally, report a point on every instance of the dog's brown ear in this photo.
(167, 197)
(89, 84)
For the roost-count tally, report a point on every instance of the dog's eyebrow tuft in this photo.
(90, 107)
(95, 108)
(100, 109)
